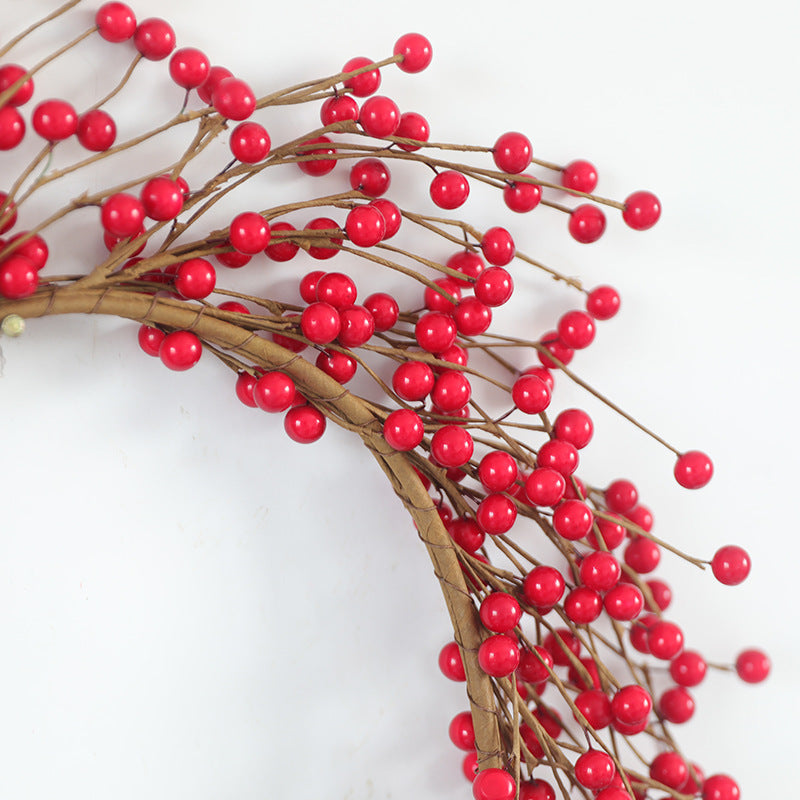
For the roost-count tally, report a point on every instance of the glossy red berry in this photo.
(451, 446)
(195, 279)
(462, 731)
(366, 82)
(450, 662)
(161, 198)
(469, 766)
(18, 277)
(545, 486)
(676, 705)
(180, 350)
(531, 395)
(574, 426)
(543, 587)
(594, 769)
(468, 263)
(150, 339)
(472, 317)
(233, 259)
(579, 175)
(9, 75)
(642, 555)
(534, 664)
(12, 127)
(435, 331)
(522, 197)
(412, 126)
(96, 130)
(583, 605)
(449, 189)
(498, 655)
(189, 67)
(295, 345)
(391, 215)
(498, 247)
(496, 514)
(413, 381)
(621, 496)
(631, 704)
(595, 707)
(753, 666)
(665, 639)
(338, 109)
(720, 787)
(512, 152)
(234, 99)
(572, 519)
(54, 120)
(280, 247)
(466, 534)
(115, 22)
(304, 424)
(451, 391)
(670, 769)
(730, 565)
(215, 75)
(324, 247)
(642, 516)
(494, 784)
(274, 392)
(249, 233)
(500, 612)
(693, 469)
(337, 289)
(436, 301)
(497, 471)
(587, 223)
(154, 39)
(357, 326)
(455, 354)
(403, 429)
(603, 302)
(249, 142)
(340, 366)
(611, 532)
(234, 307)
(600, 571)
(320, 323)
(416, 51)
(365, 226)
(370, 176)
(624, 602)
(576, 330)
(558, 455)
(494, 287)
(553, 346)
(536, 789)
(122, 215)
(642, 210)
(662, 595)
(34, 248)
(379, 116)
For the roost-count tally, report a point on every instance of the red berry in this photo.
(340, 366)
(554, 347)
(308, 285)
(496, 514)
(730, 565)
(642, 210)
(472, 317)
(494, 286)
(720, 787)
(189, 67)
(365, 226)
(161, 198)
(522, 197)
(435, 301)
(574, 426)
(455, 354)
(494, 784)
(587, 223)
(357, 326)
(497, 471)
(600, 571)
(154, 39)
(337, 289)
(595, 707)
(638, 632)
(611, 532)
(195, 279)
(631, 704)
(233, 259)
(462, 731)
(621, 496)
(469, 264)
(469, 766)
(534, 664)
(122, 215)
(670, 769)
(558, 455)
(583, 605)
(435, 331)
(234, 307)
(512, 152)
(9, 75)
(233, 99)
(96, 130)
(498, 247)
(328, 250)
(379, 116)
(281, 248)
(543, 587)
(249, 142)
(112, 241)
(413, 380)
(391, 215)
(449, 189)
(602, 302)
(576, 330)
(498, 655)
(320, 323)
(536, 789)
(34, 248)
(451, 391)
(338, 109)
(545, 486)
(403, 429)
(579, 175)
(215, 75)
(594, 769)
(54, 120)
(624, 602)
(370, 176)
(304, 424)
(662, 594)
(466, 534)
(366, 82)
(693, 469)
(18, 277)
(450, 662)
(641, 516)
(249, 233)
(412, 126)
(416, 51)
(695, 781)
(676, 705)
(451, 446)
(665, 639)
(12, 127)
(500, 612)
(115, 22)
(150, 339)
(753, 666)
(180, 350)
(642, 555)
(274, 392)
(531, 395)
(295, 345)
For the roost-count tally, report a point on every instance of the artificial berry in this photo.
(693, 469)
(638, 632)
(150, 339)
(621, 496)
(34, 248)
(391, 215)
(494, 286)
(670, 769)
(435, 331)
(558, 455)
(233, 259)
(531, 395)
(416, 51)
(122, 215)
(450, 662)
(498, 247)
(189, 67)
(54, 120)
(498, 655)
(274, 392)
(365, 226)
(455, 354)
(18, 277)
(370, 176)
(449, 189)
(245, 383)
(611, 532)
(576, 330)
(436, 301)
(9, 75)
(233, 99)
(451, 391)
(494, 784)
(545, 486)
(472, 317)
(572, 519)
(161, 198)
(340, 366)
(662, 594)
(554, 351)
(338, 109)
(586, 223)
(413, 380)
(512, 152)
(500, 612)
(462, 731)
(366, 82)
(576, 490)
(624, 602)
(535, 664)
(730, 565)
(521, 196)
(536, 789)
(154, 39)
(497, 471)
(595, 707)
(337, 289)
(676, 705)
(753, 666)
(642, 516)
(631, 704)
(112, 241)
(180, 350)
(451, 446)
(290, 343)
(594, 769)
(234, 307)
(613, 793)
(357, 326)
(720, 787)
(642, 555)
(642, 210)
(496, 514)
(589, 676)
(249, 142)
(559, 643)
(694, 783)
(600, 571)
(574, 426)
(12, 127)
(304, 424)
(403, 429)
(96, 130)
(603, 302)
(320, 323)
(195, 279)
(249, 233)
(412, 126)
(115, 22)
(583, 605)
(466, 534)
(280, 248)
(469, 766)
(323, 251)
(468, 264)
(580, 176)
(215, 75)
(379, 116)
(665, 639)
(543, 587)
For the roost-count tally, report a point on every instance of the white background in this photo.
(191, 605)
